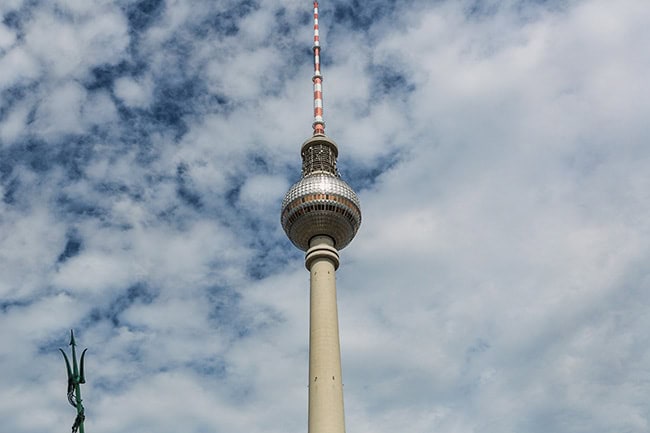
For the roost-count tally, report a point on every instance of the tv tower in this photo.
(320, 215)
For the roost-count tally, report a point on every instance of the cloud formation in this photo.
(499, 282)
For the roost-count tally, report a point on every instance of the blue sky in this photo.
(499, 281)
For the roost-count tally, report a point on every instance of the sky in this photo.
(499, 282)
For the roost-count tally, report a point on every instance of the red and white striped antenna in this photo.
(319, 123)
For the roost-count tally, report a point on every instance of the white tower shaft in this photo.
(325, 384)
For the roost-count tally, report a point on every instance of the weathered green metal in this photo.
(76, 376)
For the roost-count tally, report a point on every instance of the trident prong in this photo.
(82, 376)
(76, 376)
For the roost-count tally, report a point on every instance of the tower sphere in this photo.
(321, 204)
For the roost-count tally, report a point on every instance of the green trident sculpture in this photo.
(75, 377)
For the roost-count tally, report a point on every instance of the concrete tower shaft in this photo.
(326, 413)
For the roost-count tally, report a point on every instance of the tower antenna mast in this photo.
(319, 123)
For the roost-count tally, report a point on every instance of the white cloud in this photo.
(134, 93)
(7, 37)
(99, 109)
(60, 112)
(14, 124)
(94, 273)
(262, 193)
(245, 74)
(69, 49)
(16, 67)
(28, 252)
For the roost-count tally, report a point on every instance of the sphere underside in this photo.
(321, 204)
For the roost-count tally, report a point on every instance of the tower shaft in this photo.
(326, 413)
